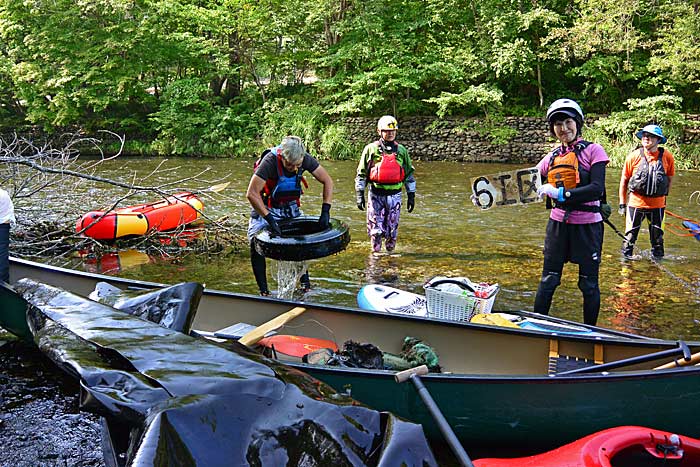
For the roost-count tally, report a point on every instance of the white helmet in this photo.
(387, 122)
(567, 107)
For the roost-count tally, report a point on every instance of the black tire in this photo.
(303, 239)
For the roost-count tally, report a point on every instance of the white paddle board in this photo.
(378, 297)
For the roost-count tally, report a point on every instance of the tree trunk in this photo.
(539, 83)
(233, 80)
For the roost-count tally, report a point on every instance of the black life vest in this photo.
(649, 180)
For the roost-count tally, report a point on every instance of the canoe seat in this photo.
(560, 363)
(565, 363)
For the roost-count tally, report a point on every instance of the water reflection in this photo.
(383, 268)
(634, 298)
(446, 235)
(114, 262)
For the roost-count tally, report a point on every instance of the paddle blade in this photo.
(219, 188)
(258, 333)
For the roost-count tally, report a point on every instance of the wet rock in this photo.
(40, 422)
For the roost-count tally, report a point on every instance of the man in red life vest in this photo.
(385, 167)
(646, 177)
(274, 191)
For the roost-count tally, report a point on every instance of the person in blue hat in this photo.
(644, 184)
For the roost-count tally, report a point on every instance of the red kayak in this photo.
(633, 445)
(167, 214)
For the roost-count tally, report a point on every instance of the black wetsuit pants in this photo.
(633, 223)
(257, 261)
(580, 244)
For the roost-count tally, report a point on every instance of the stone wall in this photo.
(428, 139)
(692, 135)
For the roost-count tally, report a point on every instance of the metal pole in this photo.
(450, 437)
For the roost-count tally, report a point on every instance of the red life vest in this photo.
(282, 190)
(388, 170)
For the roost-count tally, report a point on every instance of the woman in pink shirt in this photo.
(575, 176)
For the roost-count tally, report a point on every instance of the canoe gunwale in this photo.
(461, 378)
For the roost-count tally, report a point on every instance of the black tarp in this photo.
(186, 401)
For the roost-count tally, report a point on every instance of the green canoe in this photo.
(499, 385)
(13, 312)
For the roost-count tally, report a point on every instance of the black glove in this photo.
(622, 210)
(273, 227)
(360, 197)
(411, 201)
(324, 219)
(605, 211)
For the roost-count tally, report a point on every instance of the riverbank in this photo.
(40, 422)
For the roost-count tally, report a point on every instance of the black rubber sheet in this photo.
(172, 399)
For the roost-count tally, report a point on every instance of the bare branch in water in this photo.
(37, 175)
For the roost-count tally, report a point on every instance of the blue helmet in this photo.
(652, 130)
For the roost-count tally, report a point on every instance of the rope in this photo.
(683, 282)
(682, 231)
(672, 214)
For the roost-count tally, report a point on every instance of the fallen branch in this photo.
(33, 173)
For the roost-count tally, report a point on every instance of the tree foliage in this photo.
(210, 76)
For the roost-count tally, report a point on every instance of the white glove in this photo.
(549, 190)
(475, 200)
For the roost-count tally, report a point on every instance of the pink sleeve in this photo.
(597, 154)
(543, 165)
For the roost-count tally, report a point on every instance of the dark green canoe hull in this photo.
(516, 411)
(13, 312)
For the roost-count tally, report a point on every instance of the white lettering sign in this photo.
(507, 188)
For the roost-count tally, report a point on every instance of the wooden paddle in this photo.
(695, 358)
(414, 375)
(252, 337)
(218, 188)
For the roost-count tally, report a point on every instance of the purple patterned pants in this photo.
(383, 213)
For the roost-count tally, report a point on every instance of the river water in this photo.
(445, 235)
